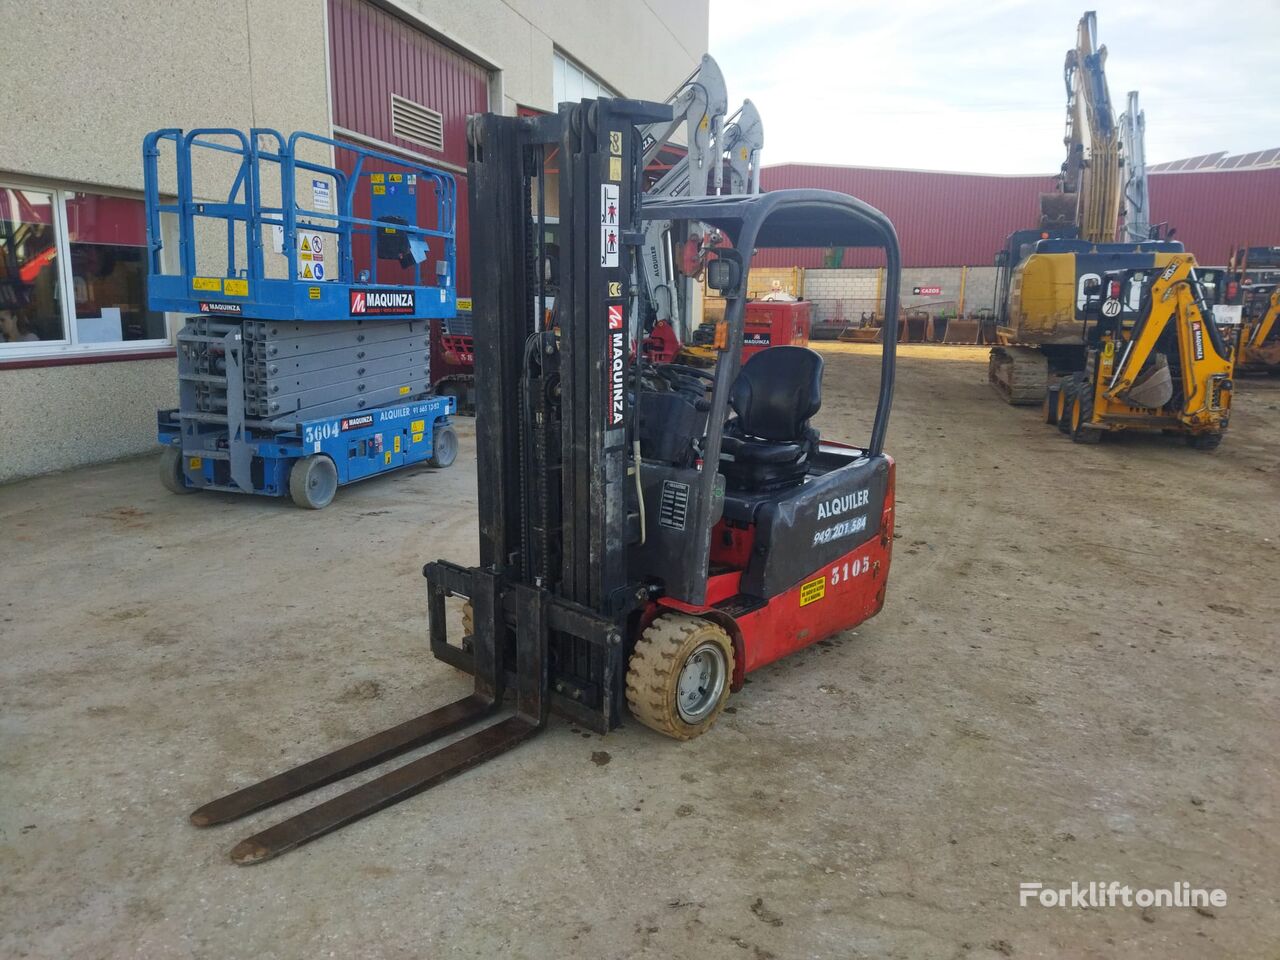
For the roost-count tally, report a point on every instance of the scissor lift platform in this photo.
(299, 369)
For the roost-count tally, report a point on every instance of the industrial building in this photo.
(77, 342)
(952, 224)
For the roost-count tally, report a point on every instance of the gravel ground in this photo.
(1073, 679)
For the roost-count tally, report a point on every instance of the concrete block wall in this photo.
(980, 289)
(52, 418)
(858, 289)
(843, 294)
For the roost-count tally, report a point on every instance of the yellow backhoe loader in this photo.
(1259, 346)
(1169, 369)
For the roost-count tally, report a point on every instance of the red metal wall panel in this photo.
(954, 219)
(942, 219)
(373, 55)
(1214, 211)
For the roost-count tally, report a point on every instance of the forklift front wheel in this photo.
(679, 675)
(171, 474)
(313, 481)
(444, 447)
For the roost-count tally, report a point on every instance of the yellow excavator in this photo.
(1055, 309)
(1170, 369)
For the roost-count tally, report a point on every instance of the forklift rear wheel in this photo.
(679, 675)
(171, 471)
(313, 481)
(444, 447)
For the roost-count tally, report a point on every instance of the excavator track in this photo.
(1019, 374)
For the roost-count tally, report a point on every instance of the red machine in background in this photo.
(452, 360)
(775, 323)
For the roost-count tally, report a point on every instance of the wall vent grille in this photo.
(416, 123)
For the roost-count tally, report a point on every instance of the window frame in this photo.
(558, 57)
(67, 347)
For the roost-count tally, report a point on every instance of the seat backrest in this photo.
(777, 391)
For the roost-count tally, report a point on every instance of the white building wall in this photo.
(107, 73)
(640, 49)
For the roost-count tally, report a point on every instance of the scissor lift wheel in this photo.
(313, 481)
(171, 471)
(444, 447)
(679, 675)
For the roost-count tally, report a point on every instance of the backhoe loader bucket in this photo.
(1154, 388)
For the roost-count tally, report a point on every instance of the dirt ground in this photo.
(1073, 679)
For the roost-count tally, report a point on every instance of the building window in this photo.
(571, 82)
(73, 274)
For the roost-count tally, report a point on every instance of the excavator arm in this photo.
(1091, 181)
(701, 104)
(743, 141)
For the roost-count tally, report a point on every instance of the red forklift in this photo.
(650, 533)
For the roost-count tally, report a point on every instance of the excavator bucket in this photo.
(1154, 387)
(1057, 210)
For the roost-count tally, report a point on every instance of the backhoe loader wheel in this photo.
(679, 675)
(1062, 405)
(1204, 441)
(171, 474)
(1066, 396)
(1081, 414)
(313, 481)
(1051, 399)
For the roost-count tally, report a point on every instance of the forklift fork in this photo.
(486, 593)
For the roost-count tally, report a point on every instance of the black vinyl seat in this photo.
(769, 444)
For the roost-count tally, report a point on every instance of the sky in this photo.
(978, 87)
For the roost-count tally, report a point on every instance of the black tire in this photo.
(1081, 414)
(1066, 396)
(1050, 408)
(1204, 441)
(679, 675)
(444, 447)
(313, 481)
(171, 474)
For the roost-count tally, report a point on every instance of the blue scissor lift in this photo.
(298, 370)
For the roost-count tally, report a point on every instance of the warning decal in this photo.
(310, 247)
(609, 204)
(608, 246)
(813, 591)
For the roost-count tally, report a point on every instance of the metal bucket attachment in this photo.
(1154, 388)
